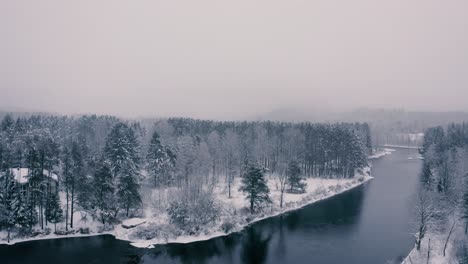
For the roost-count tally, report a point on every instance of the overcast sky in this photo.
(232, 59)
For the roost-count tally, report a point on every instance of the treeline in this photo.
(443, 199)
(333, 150)
(101, 162)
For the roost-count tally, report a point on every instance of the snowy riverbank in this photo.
(317, 190)
(434, 244)
(380, 153)
(234, 213)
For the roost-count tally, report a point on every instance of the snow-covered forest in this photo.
(82, 175)
(441, 205)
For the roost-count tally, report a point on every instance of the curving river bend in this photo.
(369, 224)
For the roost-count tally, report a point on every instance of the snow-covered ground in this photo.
(380, 153)
(437, 243)
(233, 211)
(317, 189)
(401, 146)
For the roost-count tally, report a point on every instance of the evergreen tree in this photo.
(7, 123)
(27, 213)
(160, 160)
(121, 149)
(68, 179)
(254, 186)
(104, 198)
(127, 189)
(294, 178)
(10, 202)
(54, 210)
(426, 174)
(121, 153)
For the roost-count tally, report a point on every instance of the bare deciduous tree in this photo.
(425, 212)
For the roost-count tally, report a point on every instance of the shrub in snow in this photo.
(104, 228)
(338, 188)
(84, 230)
(227, 226)
(295, 180)
(152, 231)
(320, 191)
(193, 211)
(27, 232)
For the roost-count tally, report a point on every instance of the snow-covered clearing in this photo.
(235, 208)
(234, 213)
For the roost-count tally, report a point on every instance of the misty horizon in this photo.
(234, 61)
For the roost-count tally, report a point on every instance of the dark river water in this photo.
(369, 224)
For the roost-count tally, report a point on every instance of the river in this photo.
(369, 224)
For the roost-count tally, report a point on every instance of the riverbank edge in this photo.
(195, 238)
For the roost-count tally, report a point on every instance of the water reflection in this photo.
(254, 244)
(366, 225)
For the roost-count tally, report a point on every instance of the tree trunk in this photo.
(418, 244)
(41, 201)
(72, 203)
(66, 213)
(251, 205)
(229, 187)
(448, 237)
(281, 199)
(428, 250)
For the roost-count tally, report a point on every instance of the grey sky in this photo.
(232, 59)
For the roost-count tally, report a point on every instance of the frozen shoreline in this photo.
(328, 189)
(118, 234)
(191, 239)
(437, 243)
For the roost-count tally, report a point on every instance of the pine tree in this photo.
(426, 174)
(27, 214)
(121, 148)
(68, 178)
(9, 202)
(121, 153)
(7, 123)
(104, 198)
(254, 186)
(294, 178)
(160, 160)
(54, 210)
(128, 187)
